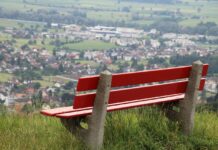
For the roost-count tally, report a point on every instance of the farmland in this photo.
(191, 12)
(90, 44)
(4, 77)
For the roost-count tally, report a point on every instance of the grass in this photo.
(89, 45)
(44, 83)
(88, 62)
(144, 128)
(4, 37)
(15, 23)
(81, 46)
(4, 77)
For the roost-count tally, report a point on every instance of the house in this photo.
(155, 43)
(211, 86)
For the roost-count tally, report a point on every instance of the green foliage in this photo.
(36, 85)
(69, 85)
(27, 108)
(37, 101)
(212, 60)
(67, 98)
(2, 102)
(1, 57)
(28, 75)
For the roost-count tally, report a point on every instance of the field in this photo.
(4, 77)
(90, 44)
(113, 10)
(145, 128)
(84, 45)
(45, 82)
(48, 81)
(15, 23)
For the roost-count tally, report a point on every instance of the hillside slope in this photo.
(145, 128)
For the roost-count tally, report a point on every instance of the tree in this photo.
(54, 52)
(66, 39)
(81, 54)
(134, 63)
(213, 31)
(216, 96)
(36, 85)
(27, 108)
(66, 97)
(21, 25)
(48, 24)
(37, 100)
(69, 85)
(2, 102)
(203, 95)
(25, 47)
(61, 68)
(1, 57)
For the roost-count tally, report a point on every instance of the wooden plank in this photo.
(133, 78)
(132, 104)
(130, 94)
(53, 112)
(61, 110)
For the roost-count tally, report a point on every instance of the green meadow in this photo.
(144, 128)
(4, 77)
(90, 44)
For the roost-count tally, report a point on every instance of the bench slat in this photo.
(54, 111)
(121, 106)
(133, 78)
(131, 94)
(61, 110)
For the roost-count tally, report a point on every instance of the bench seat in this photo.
(69, 112)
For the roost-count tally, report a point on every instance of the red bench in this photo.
(109, 92)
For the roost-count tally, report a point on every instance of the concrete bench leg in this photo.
(187, 106)
(96, 122)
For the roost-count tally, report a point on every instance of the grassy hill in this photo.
(145, 128)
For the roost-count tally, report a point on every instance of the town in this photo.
(52, 53)
(43, 66)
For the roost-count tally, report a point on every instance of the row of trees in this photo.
(179, 60)
(170, 25)
(72, 17)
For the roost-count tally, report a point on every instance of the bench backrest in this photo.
(121, 92)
